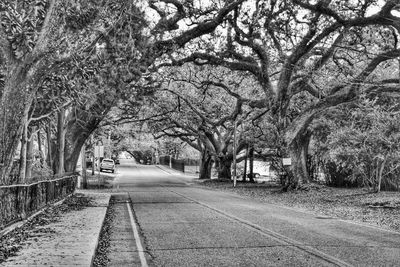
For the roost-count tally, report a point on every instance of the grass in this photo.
(357, 204)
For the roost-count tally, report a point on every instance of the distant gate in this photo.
(176, 164)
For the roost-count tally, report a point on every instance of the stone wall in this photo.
(17, 202)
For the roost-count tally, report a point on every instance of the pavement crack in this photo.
(160, 202)
(220, 247)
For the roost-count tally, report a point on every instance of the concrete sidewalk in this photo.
(71, 241)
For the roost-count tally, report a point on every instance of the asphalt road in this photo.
(180, 224)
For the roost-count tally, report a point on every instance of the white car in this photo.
(107, 164)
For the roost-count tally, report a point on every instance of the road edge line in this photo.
(139, 246)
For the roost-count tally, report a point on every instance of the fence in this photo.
(191, 162)
(19, 201)
(176, 164)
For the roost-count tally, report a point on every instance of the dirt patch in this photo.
(13, 241)
(101, 256)
(379, 209)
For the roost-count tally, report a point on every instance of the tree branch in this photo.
(166, 24)
(42, 40)
(5, 47)
(199, 30)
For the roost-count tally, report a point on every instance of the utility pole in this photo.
(234, 154)
(245, 163)
(109, 143)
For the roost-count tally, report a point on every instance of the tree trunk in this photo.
(89, 119)
(23, 155)
(205, 165)
(61, 141)
(40, 147)
(234, 154)
(294, 134)
(29, 154)
(73, 151)
(251, 165)
(379, 174)
(298, 153)
(77, 134)
(49, 154)
(14, 107)
(21, 82)
(224, 168)
(84, 174)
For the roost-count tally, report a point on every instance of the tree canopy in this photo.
(192, 70)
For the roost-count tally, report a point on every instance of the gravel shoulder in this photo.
(356, 204)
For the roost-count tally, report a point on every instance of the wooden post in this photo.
(245, 163)
(109, 144)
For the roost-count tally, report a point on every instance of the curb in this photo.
(98, 235)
